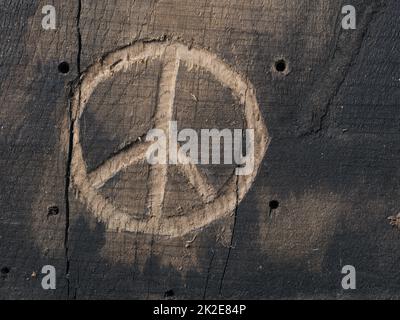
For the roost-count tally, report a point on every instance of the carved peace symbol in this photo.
(216, 203)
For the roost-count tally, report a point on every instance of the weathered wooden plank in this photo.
(330, 167)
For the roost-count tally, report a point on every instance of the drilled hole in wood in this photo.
(63, 67)
(280, 65)
(5, 270)
(274, 204)
(169, 293)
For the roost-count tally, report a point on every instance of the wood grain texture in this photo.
(332, 164)
(33, 163)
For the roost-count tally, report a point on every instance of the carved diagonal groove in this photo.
(197, 178)
(111, 167)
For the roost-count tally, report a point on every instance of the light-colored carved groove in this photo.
(112, 166)
(158, 176)
(197, 178)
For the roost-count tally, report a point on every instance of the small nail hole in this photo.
(63, 67)
(52, 211)
(5, 270)
(280, 65)
(169, 293)
(274, 204)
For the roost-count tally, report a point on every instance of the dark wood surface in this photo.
(332, 163)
